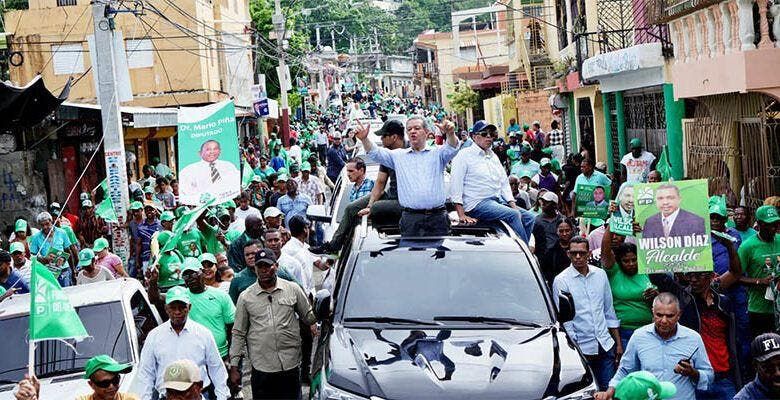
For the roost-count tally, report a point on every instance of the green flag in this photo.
(187, 219)
(247, 174)
(663, 166)
(106, 210)
(51, 315)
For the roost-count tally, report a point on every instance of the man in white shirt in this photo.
(295, 151)
(322, 144)
(638, 163)
(178, 339)
(21, 264)
(312, 269)
(244, 210)
(480, 186)
(209, 175)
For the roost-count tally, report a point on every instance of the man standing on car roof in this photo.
(379, 201)
(480, 186)
(420, 172)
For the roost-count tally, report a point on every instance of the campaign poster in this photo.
(207, 142)
(592, 201)
(675, 222)
(621, 225)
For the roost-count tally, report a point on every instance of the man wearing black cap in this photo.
(480, 186)
(274, 344)
(420, 172)
(379, 202)
(766, 359)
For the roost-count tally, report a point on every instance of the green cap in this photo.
(163, 237)
(167, 216)
(257, 179)
(105, 363)
(547, 151)
(282, 178)
(642, 385)
(85, 257)
(229, 204)
(190, 264)
(635, 142)
(20, 226)
(281, 171)
(177, 293)
(544, 162)
(767, 214)
(207, 257)
(149, 189)
(16, 246)
(305, 166)
(717, 206)
(100, 245)
(136, 205)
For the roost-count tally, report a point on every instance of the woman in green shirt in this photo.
(632, 293)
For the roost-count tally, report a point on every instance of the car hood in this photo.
(455, 363)
(73, 384)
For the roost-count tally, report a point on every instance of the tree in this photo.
(462, 97)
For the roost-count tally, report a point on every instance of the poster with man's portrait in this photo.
(208, 153)
(675, 222)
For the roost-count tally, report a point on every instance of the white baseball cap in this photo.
(550, 196)
(272, 212)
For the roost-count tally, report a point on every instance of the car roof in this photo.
(79, 295)
(483, 238)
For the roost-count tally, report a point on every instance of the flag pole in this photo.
(31, 359)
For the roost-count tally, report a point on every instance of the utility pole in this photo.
(278, 21)
(113, 137)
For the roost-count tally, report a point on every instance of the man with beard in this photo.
(181, 338)
(274, 344)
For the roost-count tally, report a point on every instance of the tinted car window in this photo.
(104, 322)
(425, 284)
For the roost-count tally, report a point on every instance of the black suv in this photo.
(466, 316)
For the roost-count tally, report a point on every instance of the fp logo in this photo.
(771, 344)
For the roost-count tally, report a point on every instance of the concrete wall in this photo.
(22, 189)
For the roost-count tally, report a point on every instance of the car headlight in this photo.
(585, 393)
(328, 392)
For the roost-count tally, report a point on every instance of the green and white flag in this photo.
(247, 173)
(51, 314)
(185, 222)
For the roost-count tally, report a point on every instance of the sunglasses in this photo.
(108, 382)
(487, 133)
(578, 253)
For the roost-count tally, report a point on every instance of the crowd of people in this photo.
(237, 286)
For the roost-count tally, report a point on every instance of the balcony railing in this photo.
(426, 69)
(542, 76)
(712, 29)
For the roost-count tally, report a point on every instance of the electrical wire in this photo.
(65, 38)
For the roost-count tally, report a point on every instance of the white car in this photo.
(116, 314)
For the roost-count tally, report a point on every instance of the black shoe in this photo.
(323, 249)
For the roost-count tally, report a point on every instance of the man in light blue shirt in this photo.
(595, 324)
(589, 176)
(480, 187)
(293, 203)
(51, 247)
(668, 350)
(420, 174)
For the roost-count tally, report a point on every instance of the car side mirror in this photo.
(565, 307)
(322, 305)
(318, 213)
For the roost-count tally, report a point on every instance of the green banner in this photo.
(675, 225)
(51, 315)
(185, 222)
(592, 201)
(208, 153)
(621, 225)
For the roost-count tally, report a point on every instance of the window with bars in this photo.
(61, 3)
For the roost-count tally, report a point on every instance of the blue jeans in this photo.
(720, 389)
(65, 277)
(521, 221)
(625, 334)
(603, 366)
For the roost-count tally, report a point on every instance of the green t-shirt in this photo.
(213, 245)
(71, 235)
(169, 270)
(744, 235)
(232, 235)
(754, 254)
(2, 290)
(630, 307)
(213, 309)
(190, 243)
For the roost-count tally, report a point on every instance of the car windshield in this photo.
(424, 285)
(105, 323)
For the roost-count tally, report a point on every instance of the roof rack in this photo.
(478, 230)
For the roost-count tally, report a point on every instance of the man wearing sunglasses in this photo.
(103, 376)
(480, 187)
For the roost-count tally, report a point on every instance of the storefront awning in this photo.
(28, 105)
(491, 82)
(136, 117)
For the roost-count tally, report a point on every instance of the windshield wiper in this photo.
(389, 320)
(487, 320)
